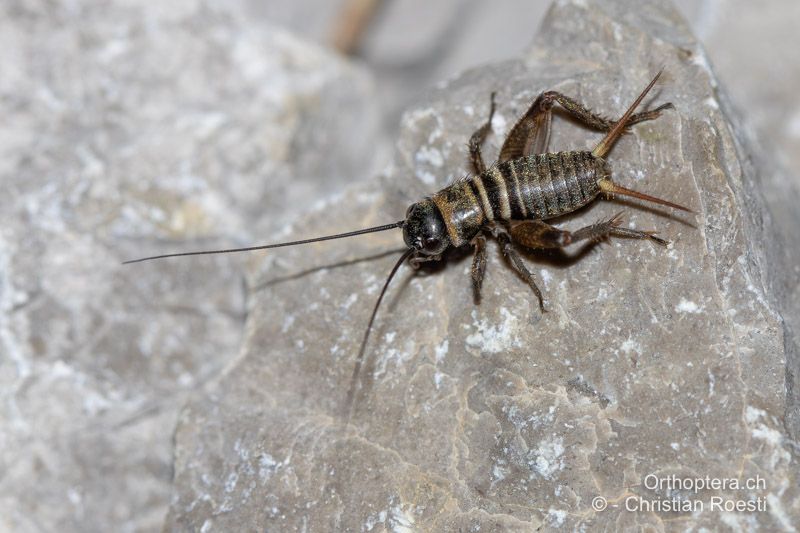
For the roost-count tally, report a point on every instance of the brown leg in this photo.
(531, 133)
(507, 246)
(595, 121)
(478, 266)
(538, 234)
(477, 138)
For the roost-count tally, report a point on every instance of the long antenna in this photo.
(605, 145)
(278, 245)
(351, 391)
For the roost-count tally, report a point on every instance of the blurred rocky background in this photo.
(131, 128)
(414, 44)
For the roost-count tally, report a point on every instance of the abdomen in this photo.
(535, 187)
(541, 186)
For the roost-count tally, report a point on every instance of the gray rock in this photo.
(650, 363)
(131, 129)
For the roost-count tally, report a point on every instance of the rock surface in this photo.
(650, 362)
(129, 129)
(749, 44)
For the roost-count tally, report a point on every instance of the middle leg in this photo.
(507, 246)
(478, 265)
(477, 138)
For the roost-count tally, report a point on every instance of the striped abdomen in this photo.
(534, 187)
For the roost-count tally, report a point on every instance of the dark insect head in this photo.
(424, 229)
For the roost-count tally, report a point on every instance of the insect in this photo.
(509, 200)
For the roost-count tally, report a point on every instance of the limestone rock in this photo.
(129, 129)
(650, 363)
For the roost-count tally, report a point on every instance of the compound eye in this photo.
(432, 245)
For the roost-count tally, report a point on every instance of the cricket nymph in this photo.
(509, 200)
(534, 187)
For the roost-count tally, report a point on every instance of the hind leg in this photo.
(538, 234)
(531, 133)
(592, 119)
